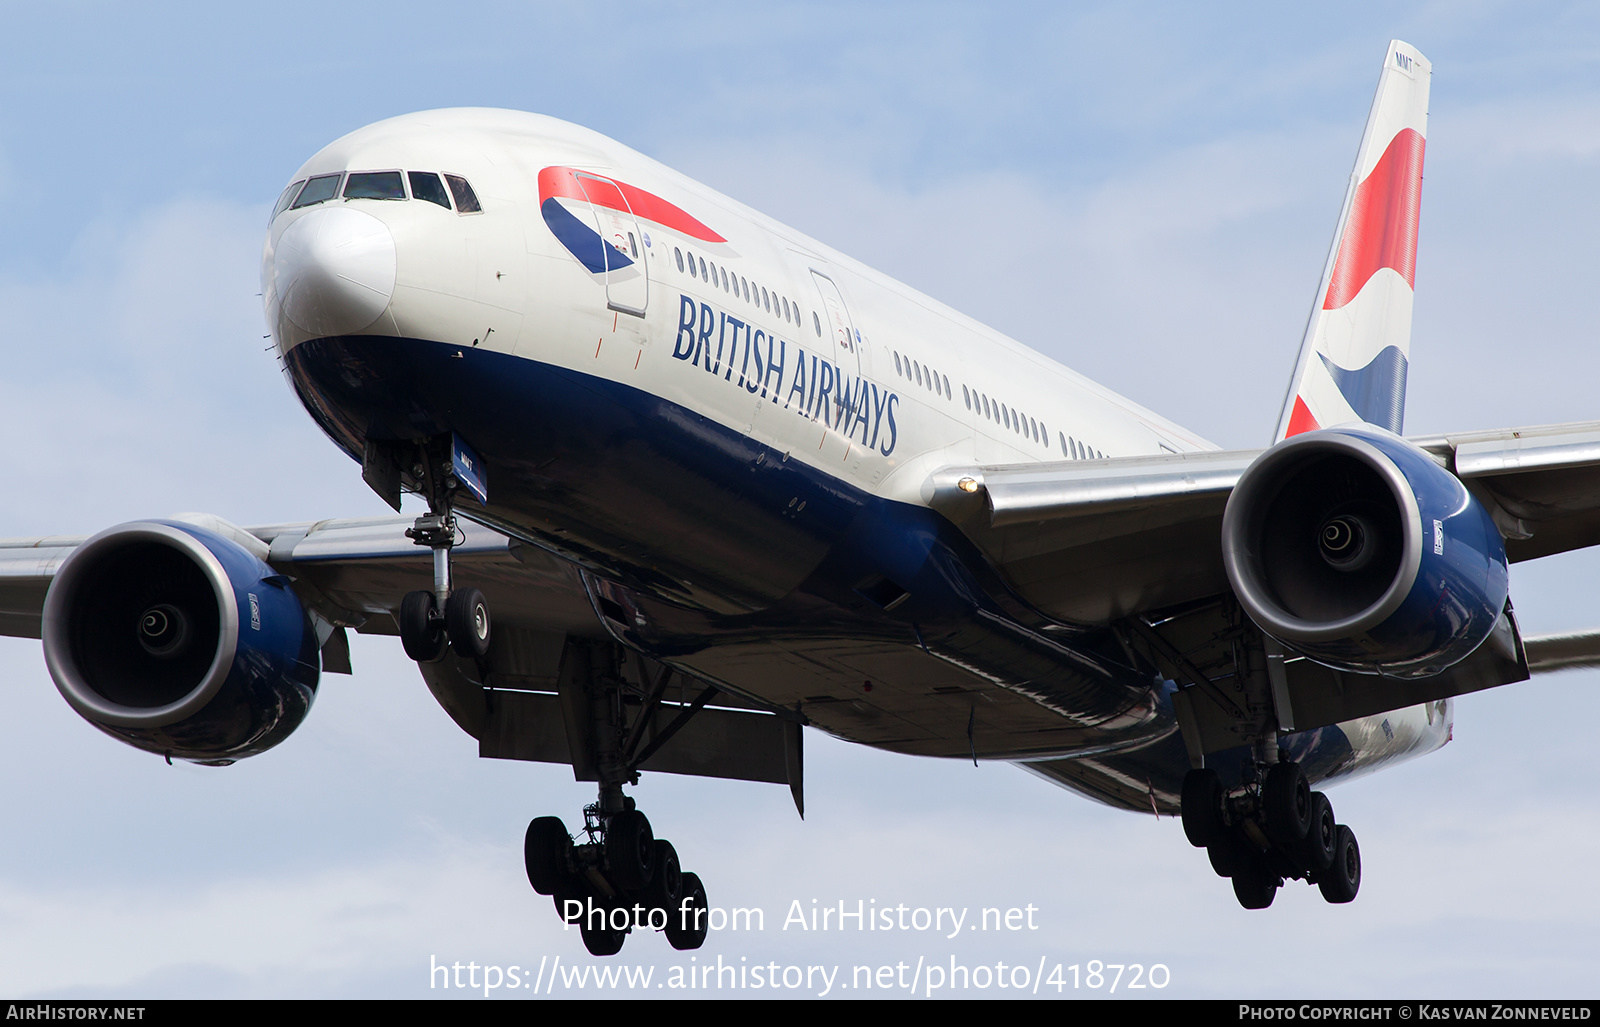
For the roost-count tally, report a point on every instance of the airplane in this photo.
(696, 481)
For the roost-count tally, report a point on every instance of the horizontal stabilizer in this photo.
(1563, 652)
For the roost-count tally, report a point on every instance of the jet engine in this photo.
(180, 641)
(1352, 546)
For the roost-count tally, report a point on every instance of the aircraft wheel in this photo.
(666, 884)
(571, 891)
(602, 940)
(686, 922)
(1254, 885)
(630, 850)
(466, 618)
(1315, 853)
(1202, 807)
(544, 854)
(1342, 880)
(420, 632)
(1286, 801)
(1224, 854)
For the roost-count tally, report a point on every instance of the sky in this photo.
(1157, 186)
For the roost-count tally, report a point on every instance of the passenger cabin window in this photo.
(677, 255)
(317, 190)
(466, 199)
(425, 185)
(374, 185)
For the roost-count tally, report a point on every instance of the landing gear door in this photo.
(627, 282)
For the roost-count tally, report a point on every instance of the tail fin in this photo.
(1353, 358)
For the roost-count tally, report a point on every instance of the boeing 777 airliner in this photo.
(695, 480)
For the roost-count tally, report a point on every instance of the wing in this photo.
(1094, 540)
(1133, 544)
(350, 573)
(521, 701)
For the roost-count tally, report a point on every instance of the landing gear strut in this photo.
(1270, 829)
(615, 876)
(446, 617)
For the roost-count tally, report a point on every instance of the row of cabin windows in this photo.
(996, 411)
(926, 377)
(999, 413)
(379, 185)
(908, 368)
(1075, 450)
(698, 267)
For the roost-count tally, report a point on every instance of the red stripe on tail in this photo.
(1300, 420)
(1382, 230)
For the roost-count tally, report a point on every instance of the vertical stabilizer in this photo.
(1357, 345)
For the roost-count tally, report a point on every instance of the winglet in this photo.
(1357, 344)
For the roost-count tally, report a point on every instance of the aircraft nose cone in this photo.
(333, 271)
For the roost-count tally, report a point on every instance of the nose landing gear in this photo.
(1271, 829)
(446, 617)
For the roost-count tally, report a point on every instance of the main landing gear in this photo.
(1270, 829)
(621, 878)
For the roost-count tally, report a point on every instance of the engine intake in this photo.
(1354, 547)
(180, 642)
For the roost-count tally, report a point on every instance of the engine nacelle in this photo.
(1352, 546)
(180, 642)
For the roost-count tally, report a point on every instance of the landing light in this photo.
(967, 484)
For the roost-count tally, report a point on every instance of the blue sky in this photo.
(1144, 192)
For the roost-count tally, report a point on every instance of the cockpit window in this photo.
(466, 199)
(425, 185)
(283, 201)
(375, 185)
(317, 190)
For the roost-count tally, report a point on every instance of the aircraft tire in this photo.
(466, 619)
(630, 850)
(1341, 881)
(1201, 807)
(1316, 851)
(602, 941)
(544, 854)
(686, 924)
(420, 633)
(1286, 801)
(1224, 854)
(1254, 885)
(666, 882)
(571, 891)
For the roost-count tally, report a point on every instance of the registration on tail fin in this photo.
(1357, 345)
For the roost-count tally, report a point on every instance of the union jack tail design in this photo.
(1357, 345)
